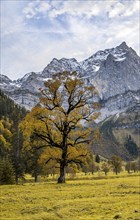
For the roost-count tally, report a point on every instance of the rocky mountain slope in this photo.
(114, 72)
(120, 135)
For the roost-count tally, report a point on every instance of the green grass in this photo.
(81, 199)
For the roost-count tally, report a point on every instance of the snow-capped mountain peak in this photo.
(114, 72)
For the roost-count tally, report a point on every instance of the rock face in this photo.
(120, 135)
(114, 72)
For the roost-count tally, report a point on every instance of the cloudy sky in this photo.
(33, 32)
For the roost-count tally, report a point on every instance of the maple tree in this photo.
(59, 123)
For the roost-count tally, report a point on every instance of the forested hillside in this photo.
(10, 140)
(9, 109)
(120, 135)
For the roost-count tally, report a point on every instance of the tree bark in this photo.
(36, 177)
(61, 178)
(16, 178)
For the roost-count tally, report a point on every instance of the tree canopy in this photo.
(59, 123)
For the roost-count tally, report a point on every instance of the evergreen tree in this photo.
(9, 109)
(6, 172)
(131, 146)
(97, 159)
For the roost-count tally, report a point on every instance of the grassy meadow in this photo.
(84, 198)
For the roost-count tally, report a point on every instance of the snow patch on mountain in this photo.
(120, 59)
(106, 114)
(46, 79)
(114, 73)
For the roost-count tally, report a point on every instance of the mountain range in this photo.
(115, 73)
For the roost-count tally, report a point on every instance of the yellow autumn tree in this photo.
(59, 123)
(5, 137)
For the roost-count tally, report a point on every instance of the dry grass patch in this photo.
(103, 199)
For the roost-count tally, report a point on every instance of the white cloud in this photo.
(11, 20)
(132, 8)
(33, 8)
(34, 32)
(43, 7)
(80, 7)
(118, 8)
(29, 11)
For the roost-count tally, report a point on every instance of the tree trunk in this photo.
(36, 177)
(61, 178)
(16, 178)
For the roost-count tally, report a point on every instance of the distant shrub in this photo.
(97, 159)
(116, 163)
(105, 168)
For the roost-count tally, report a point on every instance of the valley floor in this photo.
(86, 199)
